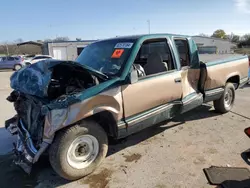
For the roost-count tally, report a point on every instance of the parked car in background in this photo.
(28, 58)
(31, 59)
(8, 62)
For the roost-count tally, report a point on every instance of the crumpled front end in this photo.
(38, 89)
(24, 148)
(27, 125)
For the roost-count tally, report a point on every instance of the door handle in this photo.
(177, 80)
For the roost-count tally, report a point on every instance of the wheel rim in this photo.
(82, 151)
(228, 99)
(17, 67)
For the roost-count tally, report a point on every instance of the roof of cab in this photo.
(135, 37)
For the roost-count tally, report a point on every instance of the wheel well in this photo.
(107, 121)
(235, 80)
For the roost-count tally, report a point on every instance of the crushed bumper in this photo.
(25, 151)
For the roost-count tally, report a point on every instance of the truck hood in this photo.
(61, 83)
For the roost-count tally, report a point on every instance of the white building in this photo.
(66, 50)
(213, 45)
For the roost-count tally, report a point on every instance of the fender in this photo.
(232, 75)
(57, 119)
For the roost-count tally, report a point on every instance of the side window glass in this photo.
(154, 57)
(10, 59)
(183, 50)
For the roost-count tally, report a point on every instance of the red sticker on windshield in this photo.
(117, 53)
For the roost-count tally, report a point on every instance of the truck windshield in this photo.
(106, 56)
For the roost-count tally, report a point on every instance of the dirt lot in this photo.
(172, 154)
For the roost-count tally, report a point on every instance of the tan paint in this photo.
(190, 79)
(218, 75)
(143, 95)
(151, 92)
(110, 100)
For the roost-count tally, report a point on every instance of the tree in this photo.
(235, 38)
(78, 39)
(227, 37)
(246, 38)
(19, 40)
(5, 47)
(57, 39)
(219, 33)
(203, 35)
(61, 39)
(47, 40)
(244, 41)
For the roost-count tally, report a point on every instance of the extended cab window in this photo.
(183, 50)
(154, 57)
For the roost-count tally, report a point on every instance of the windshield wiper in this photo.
(95, 72)
(101, 75)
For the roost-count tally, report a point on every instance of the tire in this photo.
(74, 142)
(225, 103)
(17, 67)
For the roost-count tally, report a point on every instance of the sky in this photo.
(99, 19)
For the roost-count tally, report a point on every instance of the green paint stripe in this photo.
(214, 89)
(228, 60)
(136, 116)
(189, 96)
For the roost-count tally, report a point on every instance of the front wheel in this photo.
(225, 103)
(78, 150)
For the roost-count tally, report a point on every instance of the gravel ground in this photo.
(171, 154)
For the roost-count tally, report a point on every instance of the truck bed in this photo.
(221, 68)
(216, 57)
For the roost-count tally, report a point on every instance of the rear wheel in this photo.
(78, 150)
(225, 103)
(17, 67)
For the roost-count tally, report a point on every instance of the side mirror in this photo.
(133, 76)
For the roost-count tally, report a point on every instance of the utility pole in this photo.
(148, 26)
(7, 48)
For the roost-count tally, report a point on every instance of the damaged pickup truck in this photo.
(115, 88)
